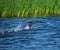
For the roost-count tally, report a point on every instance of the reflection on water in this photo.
(43, 35)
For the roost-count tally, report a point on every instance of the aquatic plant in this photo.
(24, 8)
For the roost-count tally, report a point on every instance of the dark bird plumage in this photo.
(30, 23)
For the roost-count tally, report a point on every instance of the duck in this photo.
(24, 26)
(29, 25)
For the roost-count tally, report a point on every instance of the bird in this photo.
(23, 26)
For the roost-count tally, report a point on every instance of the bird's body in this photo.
(27, 28)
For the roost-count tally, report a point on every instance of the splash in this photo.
(18, 28)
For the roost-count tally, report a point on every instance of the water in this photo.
(43, 35)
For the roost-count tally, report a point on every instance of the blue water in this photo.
(43, 35)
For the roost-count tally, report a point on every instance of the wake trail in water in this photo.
(19, 27)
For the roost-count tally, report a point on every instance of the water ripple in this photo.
(43, 35)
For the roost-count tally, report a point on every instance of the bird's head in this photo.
(30, 23)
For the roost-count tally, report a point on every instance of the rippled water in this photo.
(43, 35)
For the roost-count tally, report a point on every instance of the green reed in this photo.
(24, 8)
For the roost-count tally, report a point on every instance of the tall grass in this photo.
(24, 8)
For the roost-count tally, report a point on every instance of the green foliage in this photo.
(24, 8)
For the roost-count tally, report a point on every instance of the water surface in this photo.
(43, 35)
